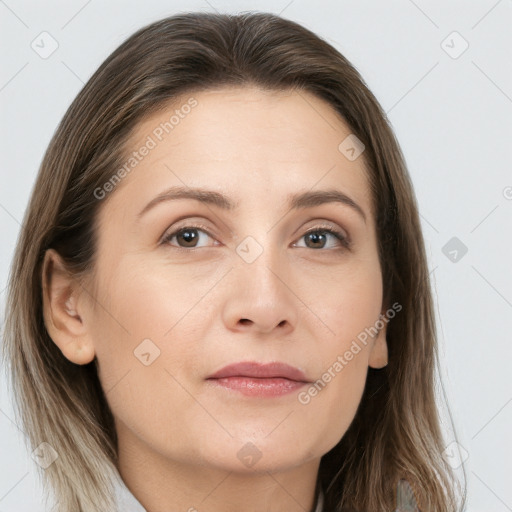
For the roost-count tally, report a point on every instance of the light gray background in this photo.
(452, 117)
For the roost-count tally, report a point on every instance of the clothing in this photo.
(126, 501)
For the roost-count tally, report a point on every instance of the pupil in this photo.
(189, 235)
(316, 237)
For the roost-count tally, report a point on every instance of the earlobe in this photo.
(379, 351)
(61, 310)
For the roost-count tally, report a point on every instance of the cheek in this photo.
(335, 395)
(148, 321)
(149, 301)
(350, 305)
(330, 403)
(145, 317)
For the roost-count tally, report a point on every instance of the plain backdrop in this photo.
(442, 72)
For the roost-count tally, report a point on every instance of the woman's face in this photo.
(240, 284)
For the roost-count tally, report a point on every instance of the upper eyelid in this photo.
(187, 223)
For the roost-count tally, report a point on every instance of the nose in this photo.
(260, 297)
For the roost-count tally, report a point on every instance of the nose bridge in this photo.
(260, 262)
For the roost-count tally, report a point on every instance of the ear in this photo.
(379, 351)
(62, 313)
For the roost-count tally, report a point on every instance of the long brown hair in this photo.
(396, 431)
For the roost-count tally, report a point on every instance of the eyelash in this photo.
(343, 240)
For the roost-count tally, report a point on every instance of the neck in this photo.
(161, 484)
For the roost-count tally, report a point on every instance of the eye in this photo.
(319, 236)
(187, 237)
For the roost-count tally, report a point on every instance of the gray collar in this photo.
(125, 500)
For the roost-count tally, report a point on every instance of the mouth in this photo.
(257, 379)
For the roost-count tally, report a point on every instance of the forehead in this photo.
(282, 123)
(240, 140)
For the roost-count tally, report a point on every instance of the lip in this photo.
(259, 379)
(260, 371)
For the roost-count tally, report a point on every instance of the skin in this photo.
(204, 308)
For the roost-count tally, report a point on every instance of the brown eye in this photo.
(186, 237)
(318, 238)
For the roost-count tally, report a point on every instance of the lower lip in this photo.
(259, 387)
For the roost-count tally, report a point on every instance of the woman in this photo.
(220, 298)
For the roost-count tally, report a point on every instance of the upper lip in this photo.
(260, 370)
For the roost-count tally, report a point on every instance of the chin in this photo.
(249, 455)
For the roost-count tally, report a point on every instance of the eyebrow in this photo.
(295, 201)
